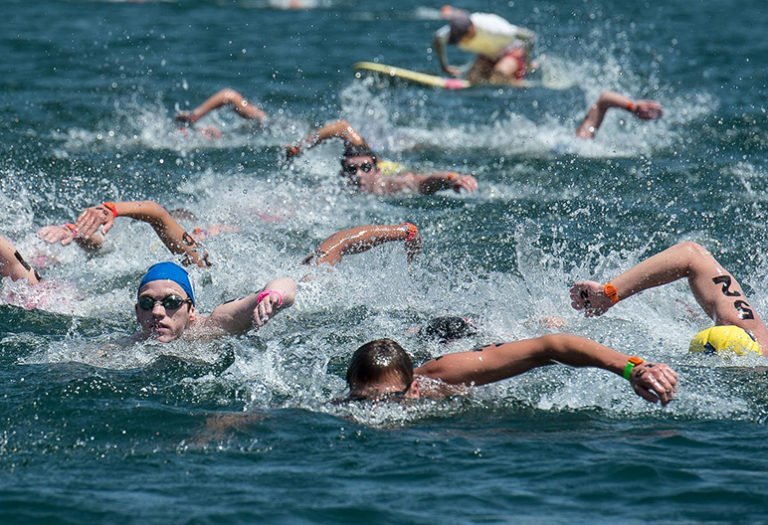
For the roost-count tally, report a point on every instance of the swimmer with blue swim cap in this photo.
(738, 327)
(166, 306)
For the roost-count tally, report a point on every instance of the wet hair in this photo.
(448, 328)
(353, 150)
(375, 361)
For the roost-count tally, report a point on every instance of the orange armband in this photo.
(411, 231)
(630, 106)
(111, 207)
(611, 292)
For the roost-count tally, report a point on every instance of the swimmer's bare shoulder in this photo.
(431, 388)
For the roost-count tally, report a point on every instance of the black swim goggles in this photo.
(169, 302)
(351, 169)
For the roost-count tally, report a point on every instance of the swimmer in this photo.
(503, 51)
(225, 97)
(363, 171)
(642, 109)
(738, 327)
(166, 308)
(94, 222)
(381, 369)
(361, 239)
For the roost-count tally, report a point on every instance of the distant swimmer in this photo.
(225, 97)
(642, 109)
(503, 50)
(381, 370)
(362, 170)
(738, 327)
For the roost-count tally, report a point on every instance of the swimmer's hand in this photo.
(648, 110)
(55, 233)
(464, 182)
(654, 382)
(291, 151)
(186, 117)
(413, 246)
(453, 71)
(89, 221)
(590, 297)
(265, 309)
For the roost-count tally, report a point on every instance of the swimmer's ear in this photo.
(192, 313)
(414, 390)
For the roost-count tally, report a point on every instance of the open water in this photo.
(240, 430)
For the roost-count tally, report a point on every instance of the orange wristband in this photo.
(611, 292)
(72, 229)
(111, 207)
(630, 106)
(411, 230)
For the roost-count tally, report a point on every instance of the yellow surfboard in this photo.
(426, 79)
(413, 76)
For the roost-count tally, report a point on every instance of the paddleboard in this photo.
(413, 76)
(549, 80)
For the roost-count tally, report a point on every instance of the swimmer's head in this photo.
(379, 369)
(448, 328)
(169, 271)
(722, 339)
(165, 302)
(356, 159)
(460, 23)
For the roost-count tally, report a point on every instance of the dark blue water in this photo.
(240, 430)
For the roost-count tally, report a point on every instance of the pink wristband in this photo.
(266, 293)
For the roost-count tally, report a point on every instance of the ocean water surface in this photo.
(242, 429)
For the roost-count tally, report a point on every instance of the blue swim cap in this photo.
(169, 271)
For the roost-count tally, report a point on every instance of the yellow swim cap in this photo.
(389, 167)
(724, 339)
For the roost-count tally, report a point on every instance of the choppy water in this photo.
(240, 430)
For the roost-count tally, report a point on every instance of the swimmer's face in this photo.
(391, 388)
(355, 168)
(164, 323)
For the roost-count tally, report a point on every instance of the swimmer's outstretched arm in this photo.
(642, 109)
(428, 184)
(170, 232)
(363, 238)
(253, 310)
(13, 265)
(716, 290)
(225, 97)
(338, 129)
(652, 381)
(439, 43)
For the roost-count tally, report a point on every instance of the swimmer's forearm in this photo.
(237, 317)
(175, 238)
(359, 239)
(13, 265)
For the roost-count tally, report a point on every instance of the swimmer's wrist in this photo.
(410, 230)
(630, 106)
(111, 207)
(630, 366)
(611, 292)
(72, 229)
